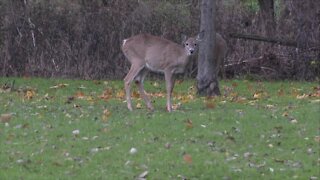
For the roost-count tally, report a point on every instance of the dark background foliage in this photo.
(82, 38)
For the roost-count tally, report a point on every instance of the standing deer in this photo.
(220, 53)
(151, 53)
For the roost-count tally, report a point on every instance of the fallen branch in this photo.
(282, 42)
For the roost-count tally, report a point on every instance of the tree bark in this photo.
(267, 17)
(207, 80)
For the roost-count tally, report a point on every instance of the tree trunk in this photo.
(207, 80)
(267, 17)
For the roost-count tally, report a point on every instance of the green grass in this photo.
(272, 136)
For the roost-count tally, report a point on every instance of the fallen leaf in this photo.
(239, 99)
(5, 118)
(294, 121)
(270, 145)
(76, 132)
(316, 92)
(189, 124)
(138, 106)
(270, 106)
(82, 87)
(176, 106)
(107, 94)
(187, 158)
(143, 175)
(167, 145)
(280, 92)
(227, 90)
(79, 95)
(135, 94)
(155, 84)
(285, 114)
(192, 90)
(257, 95)
(106, 114)
(210, 105)
(29, 94)
(303, 96)
(158, 95)
(76, 106)
(315, 101)
(133, 150)
(97, 82)
(120, 94)
(94, 150)
(247, 155)
(70, 99)
(179, 81)
(184, 98)
(59, 86)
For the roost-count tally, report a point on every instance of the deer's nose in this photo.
(191, 51)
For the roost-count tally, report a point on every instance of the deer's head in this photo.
(191, 44)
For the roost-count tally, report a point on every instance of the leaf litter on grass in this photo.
(230, 143)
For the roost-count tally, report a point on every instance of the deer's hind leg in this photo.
(139, 81)
(133, 72)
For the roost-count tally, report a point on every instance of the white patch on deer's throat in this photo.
(188, 50)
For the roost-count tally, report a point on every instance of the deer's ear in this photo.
(200, 36)
(183, 38)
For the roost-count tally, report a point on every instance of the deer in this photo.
(147, 52)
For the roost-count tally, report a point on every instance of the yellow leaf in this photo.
(120, 94)
(315, 101)
(158, 95)
(303, 96)
(29, 94)
(90, 98)
(285, 114)
(106, 114)
(155, 84)
(107, 94)
(192, 90)
(294, 121)
(269, 106)
(176, 106)
(139, 106)
(316, 91)
(135, 94)
(257, 95)
(189, 124)
(59, 86)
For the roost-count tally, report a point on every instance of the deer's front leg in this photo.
(169, 85)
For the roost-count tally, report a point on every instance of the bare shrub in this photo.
(81, 39)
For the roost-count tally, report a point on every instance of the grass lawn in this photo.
(76, 129)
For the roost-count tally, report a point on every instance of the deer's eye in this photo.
(195, 44)
(187, 44)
